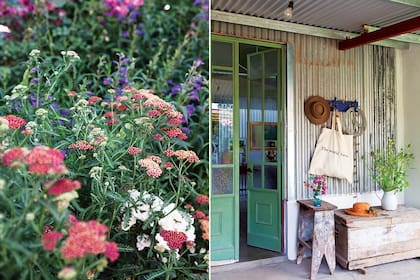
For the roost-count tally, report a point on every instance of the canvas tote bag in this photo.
(333, 154)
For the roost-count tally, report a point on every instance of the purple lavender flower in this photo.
(193, 95)
(123, 81)
(198, 62)
(34, 80)
(123, 70)
(34, 100)
(186, 130)
(125, 34)
(139, 32)
(107, 81)
(65, 112)
(190, 109)
(35, 70)
(133, 16)
(176, 89)
(55, 106)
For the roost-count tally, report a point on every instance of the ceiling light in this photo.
(288, 13)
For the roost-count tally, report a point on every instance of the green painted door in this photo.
(265, 129)
(224, 198)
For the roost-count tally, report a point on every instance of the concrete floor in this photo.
(282, 269)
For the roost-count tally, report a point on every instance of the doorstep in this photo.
(224, 267)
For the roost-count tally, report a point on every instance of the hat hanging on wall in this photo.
(317, 109)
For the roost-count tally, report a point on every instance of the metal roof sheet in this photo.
(344, 15)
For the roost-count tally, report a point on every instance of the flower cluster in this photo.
(88, 238)
(121, 8)
(175, 227)
(46, 198)
(318, 183)
(40, 160)
(83, 239)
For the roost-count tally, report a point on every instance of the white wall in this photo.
(410, 87)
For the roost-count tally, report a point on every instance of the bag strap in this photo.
(333, 119)
(338, 122)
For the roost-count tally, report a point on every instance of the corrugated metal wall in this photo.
(365, 74)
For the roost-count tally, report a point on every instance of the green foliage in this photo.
(390, 167)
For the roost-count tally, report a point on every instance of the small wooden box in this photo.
(367, 241)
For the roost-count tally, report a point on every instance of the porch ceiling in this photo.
(343, 15)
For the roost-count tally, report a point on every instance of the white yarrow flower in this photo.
(4, 124)
(4, 29)
(31, 124)
(30, 217)
(34, 52)
(71, 54)
(41, 112)
(143, 241)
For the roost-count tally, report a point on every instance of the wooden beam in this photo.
(403, 27)
(295, 28)
(409, 38)
(413, 3)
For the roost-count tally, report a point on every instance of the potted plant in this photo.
(390, 171)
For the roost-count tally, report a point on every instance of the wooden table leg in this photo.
(323, 242)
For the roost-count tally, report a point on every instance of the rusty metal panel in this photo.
(365, 74)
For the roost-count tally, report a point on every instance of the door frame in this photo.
(282, 133)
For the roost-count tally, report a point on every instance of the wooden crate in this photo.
(366, 241)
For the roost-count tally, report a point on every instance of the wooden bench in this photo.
(366, 241)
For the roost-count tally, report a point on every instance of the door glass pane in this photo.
(256, 176)
(270, 62)
(222, 118)
(255, 66)
(221, 54)
(255, 101)
(270, 99)
(222, 180)
(270, 176)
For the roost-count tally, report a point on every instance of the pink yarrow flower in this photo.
(43, 160)
(169, 153)
(88, 238)
(82, 145)
(14, 157)
(174, 239)
(158, 137)
(94, 99)
(15, 122)
(199, 215)
(152, 168)
(134, 150)
(62, 185)
(202, 199)
(50, 239)
(175, 132)
(190, 156)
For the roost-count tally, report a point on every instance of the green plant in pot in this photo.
(390, 171)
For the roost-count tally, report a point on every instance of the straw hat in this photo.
(360, 209)
(317, 109)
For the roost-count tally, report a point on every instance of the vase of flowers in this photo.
(318, 184)
(390, 171)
